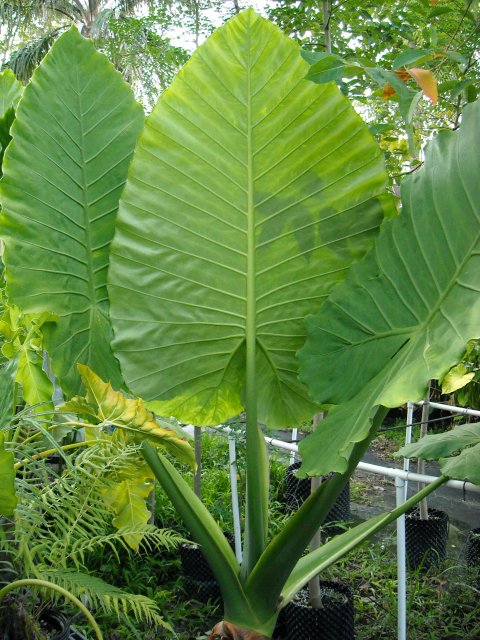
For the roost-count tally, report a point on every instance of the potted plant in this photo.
(251, 194)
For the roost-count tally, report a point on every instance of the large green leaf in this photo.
(256, 190)
(458, 451)
(406, 312)
(10, 91)
(73, 137)
(10, 94)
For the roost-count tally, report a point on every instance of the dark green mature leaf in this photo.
(256, 190)
(464, 439)
(406, 312)
(74, 134)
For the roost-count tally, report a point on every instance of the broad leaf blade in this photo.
(256, 189)
(75, 130)
(465, 440)
(127, 500)
(10, 92)
(406, 312)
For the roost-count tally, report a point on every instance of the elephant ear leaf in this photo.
(127, 414)
(457, 450)
(8, 496)
(256, 189)
(74, 134)
(406, 312)
(10, 94)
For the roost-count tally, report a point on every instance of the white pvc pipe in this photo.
(293, 439)
(448, 407)
(237, 529)
(401, 564)
(389, 471)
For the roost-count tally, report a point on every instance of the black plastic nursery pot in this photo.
(19, 625)
(426, 540)
(335, 621)
(472, 551)
(472, 548)
(198, 579)
(297, 491)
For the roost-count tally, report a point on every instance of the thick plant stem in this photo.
(197, 478)
(45, 584)
(316, 541)
(423, 505)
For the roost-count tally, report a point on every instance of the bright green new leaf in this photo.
(73, 137)
(256, 190)
(8, 497)
(464, 441)
(406, 312)
(24, 343)
(411, 56)
(112, 408)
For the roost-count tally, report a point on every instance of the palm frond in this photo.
(27, 57)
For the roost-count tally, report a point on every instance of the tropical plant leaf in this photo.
(456, 378)
(463, 440)
(74, 134)
(113, 408)
(127, 501)
(24, 343)
(256, 190)
(406, 312)
(8, 496)
(10, 93)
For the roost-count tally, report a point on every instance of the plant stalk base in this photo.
(227, 631)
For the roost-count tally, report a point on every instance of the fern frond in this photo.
(152, 538)
(106, 597)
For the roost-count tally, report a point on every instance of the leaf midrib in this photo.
(86, 205)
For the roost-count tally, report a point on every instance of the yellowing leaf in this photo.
(112, 407)
(127, 501)
(456, 378)
(426, 81)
